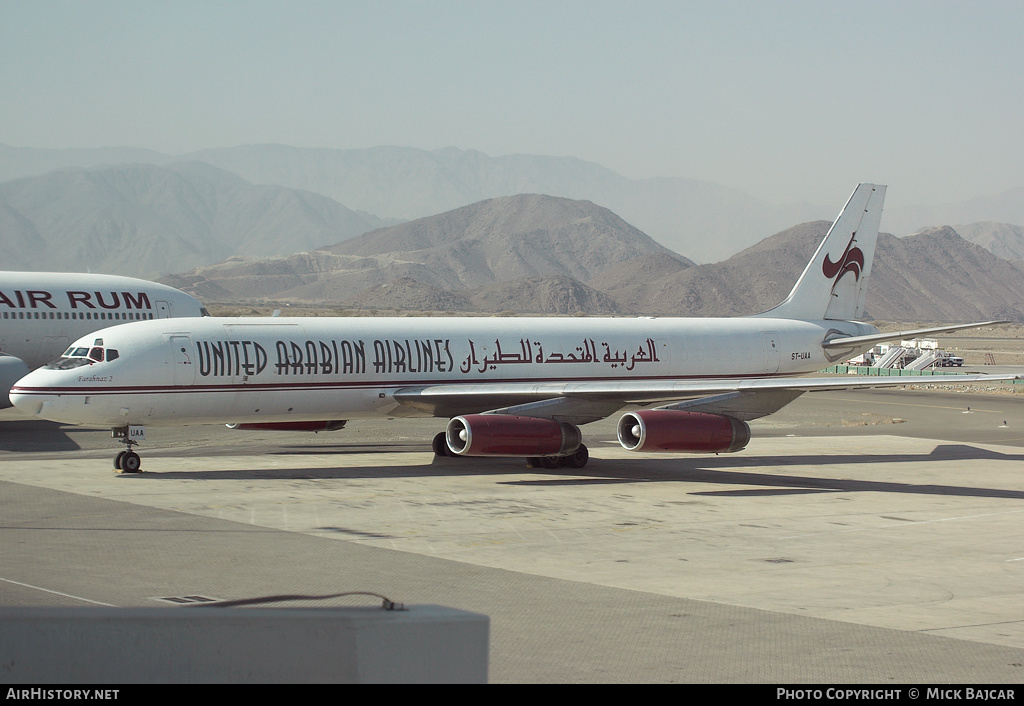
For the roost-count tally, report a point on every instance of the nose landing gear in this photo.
(128, 461)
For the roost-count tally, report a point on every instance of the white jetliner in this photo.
(510, 386)
(41, 313)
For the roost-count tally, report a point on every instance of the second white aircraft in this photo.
(41, 313)
(509, 386)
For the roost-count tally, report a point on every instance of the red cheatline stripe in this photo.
(180, 389)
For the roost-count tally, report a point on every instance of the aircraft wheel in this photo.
(118, 459)
(440, 445)
(550, 461)
(131, 462)
(578, 459)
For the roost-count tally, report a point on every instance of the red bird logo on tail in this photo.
(851, 261)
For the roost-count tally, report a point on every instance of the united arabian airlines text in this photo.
(231, 357)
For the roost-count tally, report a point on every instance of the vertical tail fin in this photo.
(834, 283)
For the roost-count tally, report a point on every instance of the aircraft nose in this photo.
(24, 398)
(31, 406)
(11, 370)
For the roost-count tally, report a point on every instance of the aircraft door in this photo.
(163, 310)
(773, 354)
(184, 360)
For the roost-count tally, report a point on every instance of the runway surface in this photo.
(863, 537)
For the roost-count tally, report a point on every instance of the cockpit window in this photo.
(68, 363)
(77, 356)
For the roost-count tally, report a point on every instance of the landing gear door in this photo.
(184, 356)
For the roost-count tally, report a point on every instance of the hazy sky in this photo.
(789, 101)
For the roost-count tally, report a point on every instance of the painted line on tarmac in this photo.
(58, 593)
(911, 523)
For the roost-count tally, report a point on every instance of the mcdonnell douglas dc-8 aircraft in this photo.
(509, 386)
(42, 312)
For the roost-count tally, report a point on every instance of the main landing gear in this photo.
(577, 459)
(126, 461)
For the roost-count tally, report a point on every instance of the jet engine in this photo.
(677, 430)
(508, 435)
(333, 425)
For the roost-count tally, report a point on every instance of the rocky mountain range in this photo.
(146, 220)
(462, 260)
(540, 254)
(397, 183)
(934, 276)
(1001, 239)
(707, 222)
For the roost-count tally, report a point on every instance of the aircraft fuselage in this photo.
(215, 370)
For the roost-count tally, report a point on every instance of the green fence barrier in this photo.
(896, 372)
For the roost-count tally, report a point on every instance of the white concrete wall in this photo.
(203, 645)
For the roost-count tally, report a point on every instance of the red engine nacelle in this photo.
(332, 425)
(677, 430)
(508, 435)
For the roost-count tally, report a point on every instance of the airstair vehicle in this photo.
(925, 360)
(892, 358)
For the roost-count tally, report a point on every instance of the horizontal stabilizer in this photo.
(858, 341)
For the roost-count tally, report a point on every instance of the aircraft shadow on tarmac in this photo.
(33, 436)
(716, 470)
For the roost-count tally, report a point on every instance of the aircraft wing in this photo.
(583, 402)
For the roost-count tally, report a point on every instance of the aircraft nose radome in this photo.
(27, 404)
(21, 399)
